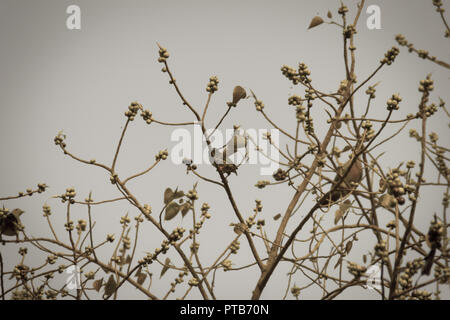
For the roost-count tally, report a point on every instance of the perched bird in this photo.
(353, 177)
(10, 223)
(433, 240)
(219, 160)
(429, 259)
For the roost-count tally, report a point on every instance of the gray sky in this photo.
(81, 81)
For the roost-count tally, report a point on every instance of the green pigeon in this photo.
(353, 177)
(433, 240)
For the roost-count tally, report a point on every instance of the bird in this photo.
(219, 160)
(353, 177)
(236, 142)
(10, 223)
(433, 240)
(429, 259)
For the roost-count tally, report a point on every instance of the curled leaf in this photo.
(238, 94)
(172, 210)
(315, 22)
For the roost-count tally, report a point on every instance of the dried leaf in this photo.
(338, 263)
(168, 195)
(178, 194)
(315, 22)
(276, 217)
(141, 278)
(172, 210)
(238, 94)
(329, 14)
(165, 267)
(110, 286)
(185, 208)
(343, 208)
(97, 284)
(337, 215)
(348, 247)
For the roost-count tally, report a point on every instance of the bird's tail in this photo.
(330, 199)
(429, 261)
